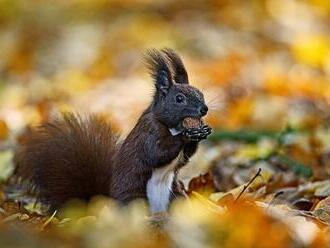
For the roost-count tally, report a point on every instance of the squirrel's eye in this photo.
(179, 98)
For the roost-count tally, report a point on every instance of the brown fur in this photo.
(75, 157)
(149, 145)
(68, 158)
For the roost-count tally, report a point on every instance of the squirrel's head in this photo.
(174, 98)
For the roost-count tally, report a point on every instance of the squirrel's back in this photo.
(69, 157)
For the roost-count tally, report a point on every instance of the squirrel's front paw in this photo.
(197, 134)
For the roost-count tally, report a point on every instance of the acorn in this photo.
(192, 122)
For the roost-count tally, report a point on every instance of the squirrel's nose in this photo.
(203, 110)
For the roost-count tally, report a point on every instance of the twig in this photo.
(248, 184)
(49, 220)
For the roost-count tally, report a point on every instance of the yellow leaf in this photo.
(207, 203)
(313, 50)
(4, 132)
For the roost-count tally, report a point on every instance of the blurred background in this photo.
(258, 61)
(264, 66)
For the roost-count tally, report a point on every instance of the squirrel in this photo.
(75, 157)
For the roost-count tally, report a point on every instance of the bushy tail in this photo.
(69, 157)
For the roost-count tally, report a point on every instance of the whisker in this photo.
(214, 98)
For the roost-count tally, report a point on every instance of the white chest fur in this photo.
(159, 187)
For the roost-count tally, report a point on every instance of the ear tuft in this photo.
(180, 73)
(159, 70)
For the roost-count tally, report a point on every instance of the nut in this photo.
(192, 122)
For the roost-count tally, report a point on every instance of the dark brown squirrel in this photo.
(75, 157)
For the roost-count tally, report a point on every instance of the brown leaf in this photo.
(322, 210)
(201, 183)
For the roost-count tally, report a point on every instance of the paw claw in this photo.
(197, 134)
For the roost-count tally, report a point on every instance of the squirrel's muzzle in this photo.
(203, 110)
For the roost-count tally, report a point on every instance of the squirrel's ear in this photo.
(180, 73)
(159, 70)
